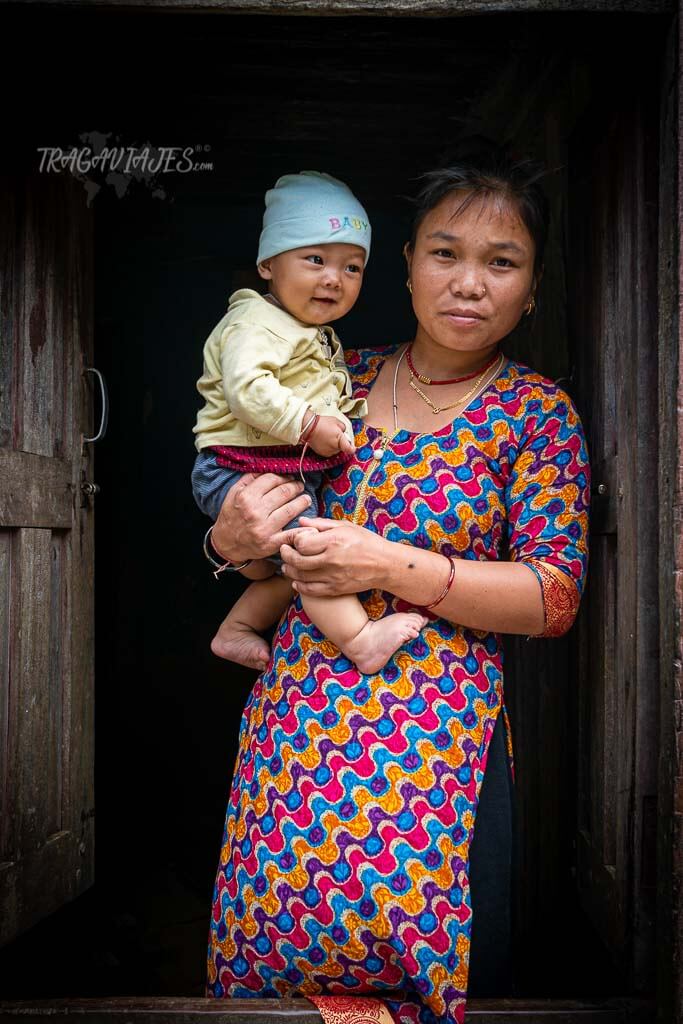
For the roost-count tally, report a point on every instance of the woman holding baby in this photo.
(345, 867)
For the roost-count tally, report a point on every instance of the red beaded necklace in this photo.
(451, 380)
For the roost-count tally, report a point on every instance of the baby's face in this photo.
(316, 283)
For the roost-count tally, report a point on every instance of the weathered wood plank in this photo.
(646, 653)
(38, 390)
(38, 400)
(35, 491)
(270, 1011)
(599, 738)
(29, 675)
(50, 870)
(5, 619)
(396, 8)
(670, 426)
(617, 342)
(56, 682)
(606, 726)
(620, 754)
(79, 667)
(8, 217)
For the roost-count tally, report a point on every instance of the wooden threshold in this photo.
(300, 1011)
(395, 8)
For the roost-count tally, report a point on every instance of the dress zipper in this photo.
(375, 459)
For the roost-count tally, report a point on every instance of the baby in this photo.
(278, 396)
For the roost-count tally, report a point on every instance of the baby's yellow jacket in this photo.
(262, 369)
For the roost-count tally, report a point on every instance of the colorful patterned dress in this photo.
(344, 863)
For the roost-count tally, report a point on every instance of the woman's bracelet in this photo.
(451, 577)
(309, 427)
(224, 565)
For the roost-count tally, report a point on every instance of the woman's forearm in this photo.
(259, 569)
(255, 569)
(342, 558)
(500, 597)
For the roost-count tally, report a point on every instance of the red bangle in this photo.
(451, 577)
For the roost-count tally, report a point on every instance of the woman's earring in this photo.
(409, 286)
(531, 307)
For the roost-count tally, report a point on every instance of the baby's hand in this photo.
(328, 438)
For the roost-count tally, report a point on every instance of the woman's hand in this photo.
(336, 557)
(254, 513)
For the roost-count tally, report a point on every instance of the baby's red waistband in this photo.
(281, 458)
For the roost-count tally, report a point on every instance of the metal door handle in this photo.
(105, 406)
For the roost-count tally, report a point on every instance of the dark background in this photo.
(374, 102)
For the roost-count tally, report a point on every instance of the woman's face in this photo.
(472, 273)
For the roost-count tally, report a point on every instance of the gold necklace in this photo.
(465, 398)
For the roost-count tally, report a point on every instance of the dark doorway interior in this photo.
(374, 101)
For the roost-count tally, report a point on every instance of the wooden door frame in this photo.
(670, 810)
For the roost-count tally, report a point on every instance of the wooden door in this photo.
(612, 299)
(46, 550)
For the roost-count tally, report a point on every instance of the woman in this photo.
(345, 860)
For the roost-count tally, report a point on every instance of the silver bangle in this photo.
(226, 565)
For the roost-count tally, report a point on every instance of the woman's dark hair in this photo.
(489, 171)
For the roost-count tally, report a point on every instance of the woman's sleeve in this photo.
(547, 500)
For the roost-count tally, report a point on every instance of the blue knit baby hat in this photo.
(311, 208)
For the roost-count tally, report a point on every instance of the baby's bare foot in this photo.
(378, 640)
(237, 642)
